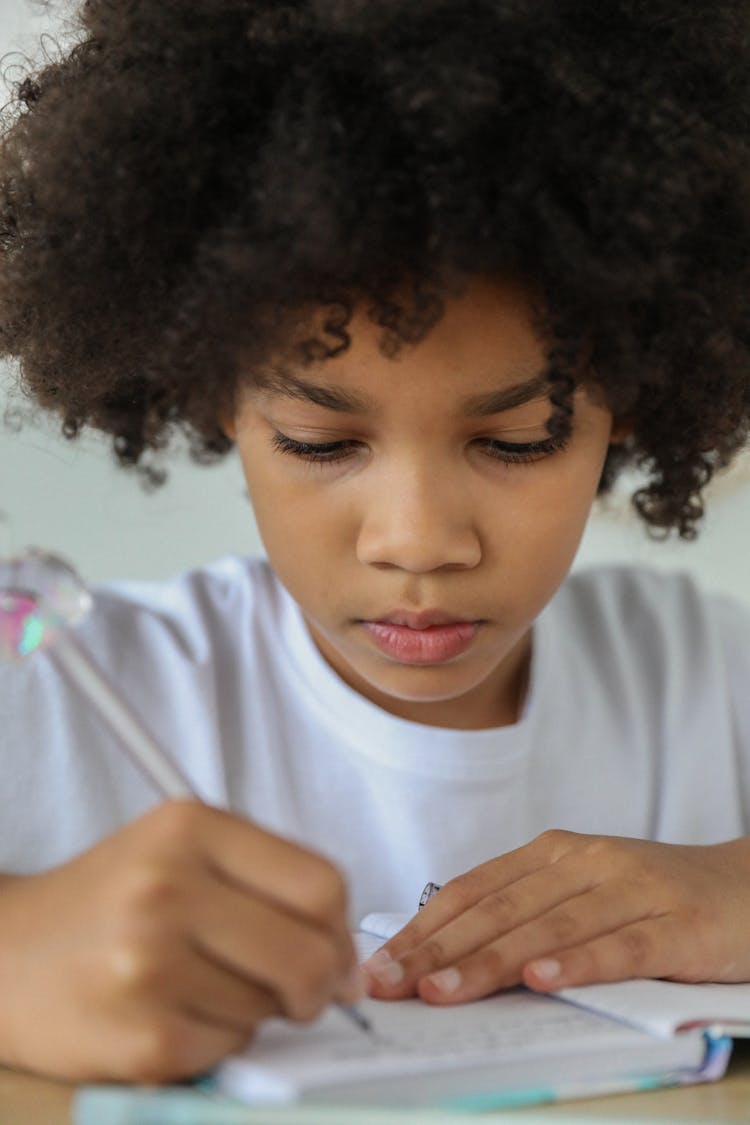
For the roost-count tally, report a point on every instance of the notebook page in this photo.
(376, 929)
(383, 925)
(285, 1060)
(366, 944)
(664, 1007)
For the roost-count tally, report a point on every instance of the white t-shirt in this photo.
(636, 723)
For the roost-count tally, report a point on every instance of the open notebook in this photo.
(510, 1049)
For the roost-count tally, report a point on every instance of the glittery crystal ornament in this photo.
(40, 594)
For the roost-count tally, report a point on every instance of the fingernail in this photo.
(377, 961)
(447, 980)
(546, 969)
(385, 970)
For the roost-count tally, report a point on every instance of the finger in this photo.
(499, 963)
(180, 975)
(303, 882)
(646, 948)
(302, 965)
(223, 999)
(459, 895)
(558, 899)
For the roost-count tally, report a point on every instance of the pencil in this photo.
(143, 749)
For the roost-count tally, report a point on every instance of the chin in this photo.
(424, 693)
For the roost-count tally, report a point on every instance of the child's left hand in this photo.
(569, 909)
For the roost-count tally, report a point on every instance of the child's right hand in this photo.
(160, 950)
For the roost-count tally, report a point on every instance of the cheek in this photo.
(548, 520)
(301, 529)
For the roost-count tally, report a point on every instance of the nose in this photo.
(419, 522)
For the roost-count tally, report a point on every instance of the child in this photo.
(439, 270)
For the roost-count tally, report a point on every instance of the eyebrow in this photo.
(348, 402)
(333, 398)
(496, 402)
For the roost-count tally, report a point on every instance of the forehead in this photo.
(483, 348)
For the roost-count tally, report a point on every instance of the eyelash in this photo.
(510, 453)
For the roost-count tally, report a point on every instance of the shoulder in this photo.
(621, 591)
(217, 583)
(653, 617)
(189, 613)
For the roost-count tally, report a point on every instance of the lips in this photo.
(430, 637)
(423, 620)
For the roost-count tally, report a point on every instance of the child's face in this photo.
(410, 507)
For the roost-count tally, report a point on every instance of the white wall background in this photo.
(72, 498)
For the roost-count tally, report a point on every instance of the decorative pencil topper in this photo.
(40, 594)
(41, 597)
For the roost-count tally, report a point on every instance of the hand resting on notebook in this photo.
(570, 909)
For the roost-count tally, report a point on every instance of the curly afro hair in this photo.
(181, 183)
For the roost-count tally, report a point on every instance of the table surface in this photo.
(25, 1100)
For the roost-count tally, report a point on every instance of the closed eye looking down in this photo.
(507, 451)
